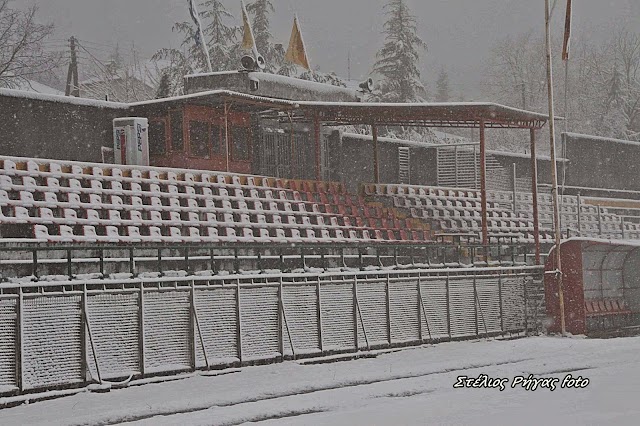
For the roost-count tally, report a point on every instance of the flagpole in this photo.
(554, 168)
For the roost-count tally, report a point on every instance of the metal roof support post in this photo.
(226, 134)
(534, 196)
(514, 188)
(376, 154)
(483, 186)
(316, 132)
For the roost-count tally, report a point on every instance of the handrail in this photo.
(95, 258)
(425, 273)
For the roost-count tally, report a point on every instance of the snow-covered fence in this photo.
(64, 334)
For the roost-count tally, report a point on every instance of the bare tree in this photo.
(604, 83)
(22, 54)
(605, 87)
(122, 77)
(627, 49)
(516, 72)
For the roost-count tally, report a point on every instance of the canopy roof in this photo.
(450, 114)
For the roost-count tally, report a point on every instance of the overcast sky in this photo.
(459, 33)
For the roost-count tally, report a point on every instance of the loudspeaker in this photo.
(261, 62)
(367, 85)
(248, 63)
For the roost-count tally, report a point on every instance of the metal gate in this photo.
(288, 156)
(275, 155)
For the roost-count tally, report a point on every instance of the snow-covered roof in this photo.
(461, 146)
(270, 85)
(218, 96)
(491, 109)
(601, 139)
(62, 99)
(430, 114)
(312, 86)
(34, 86)
(205, 74)
(210, 95)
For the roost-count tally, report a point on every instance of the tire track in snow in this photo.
(292, 393)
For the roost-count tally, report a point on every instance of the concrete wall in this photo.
(56, 130)
(603, 163)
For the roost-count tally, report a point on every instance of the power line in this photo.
(110, 46)
(96, 61)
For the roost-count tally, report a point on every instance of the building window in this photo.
(177, 140)
(199, 138)
(240, 143)
(157, 138)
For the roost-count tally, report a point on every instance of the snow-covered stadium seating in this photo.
(459, 210)
(53, 201)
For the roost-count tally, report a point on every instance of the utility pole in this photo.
(554, 167)
(349, 65)
(73, 88)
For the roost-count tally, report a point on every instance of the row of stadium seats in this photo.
(578, 218)
(60, 201)
(454, 210)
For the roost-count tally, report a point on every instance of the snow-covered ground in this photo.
(412, 386)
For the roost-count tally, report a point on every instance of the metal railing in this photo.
(76, 332)
(36, 261)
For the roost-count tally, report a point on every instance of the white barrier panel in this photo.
(52, 341)
(8, 344)
(55, 334)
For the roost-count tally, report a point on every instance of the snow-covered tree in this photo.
(175, 64)
(398, 61)
(261, 9)
(164, 87)
(272, 53)
(517, 72)
(615, 86)
(443, 92)
(22, 52)
(121, 77)
(292, 70)
(221, 35)
(603, 86)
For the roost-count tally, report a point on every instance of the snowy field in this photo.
(412, 386)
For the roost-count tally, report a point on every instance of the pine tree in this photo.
(222, 37)
(164, 87)
(260, 9)
(398, 60)
(222, 41)
(442, 87)
(273, 54)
